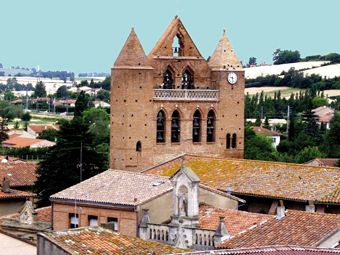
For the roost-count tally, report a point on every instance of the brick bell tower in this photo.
(173, 101)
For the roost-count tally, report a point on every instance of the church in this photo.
(173, 101)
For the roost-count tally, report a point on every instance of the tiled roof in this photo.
(269, 250)
(40, 128)
(19, 173)
(295, 228)
(19, 142)
(328, 161)
(16, 194)
(261, 178)
(97, 240)
(235, 221)
(12, 159)
(117, 187)
(265, 131)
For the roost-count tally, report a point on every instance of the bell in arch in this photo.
(196, 123)
(195, 132)
(174, 124)
(159, 137)
(209, 131)
(159, 122)
(174, 136)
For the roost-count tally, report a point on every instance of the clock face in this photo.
(232, 78)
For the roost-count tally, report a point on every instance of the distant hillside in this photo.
(13, 71)
(314, 67)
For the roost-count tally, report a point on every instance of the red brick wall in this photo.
(127, 219)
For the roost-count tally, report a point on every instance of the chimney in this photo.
(281, 210)
(229, 190)
(221, 232)
(5, 186)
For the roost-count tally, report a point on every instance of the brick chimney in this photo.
(5, 186)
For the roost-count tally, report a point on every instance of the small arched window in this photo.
(196, 129)
(187, 79)
(228, 141)
(211, 126)
(167, 79)
(175, 127)
(160, 136)
(139, 146)
(233, 144)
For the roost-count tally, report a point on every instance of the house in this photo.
(264, 185)
(270, 134)
(98, 240)
(119, 198)
(324, 115)
(173, 101)
(36, 130)
(19, 142)
(12, 200)
(101, 104)
(28, 222)
(322, 162)
(19, 133)
(290, 228)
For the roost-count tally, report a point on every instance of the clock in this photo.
(232, 78)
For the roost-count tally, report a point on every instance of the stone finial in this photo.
(224, 31)
(132, 29)
(145, 218)
(183, 160)
(176, 16)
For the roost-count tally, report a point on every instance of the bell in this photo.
(159, 122)
(209, 131)
(159, 137)
(196, 123)
(176, 50)
(195, 131)
(174, 124)
(209, 121)
(174, 135)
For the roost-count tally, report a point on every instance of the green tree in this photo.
(16, 125)
(49, 134)
(259, 147)
(309, 153)
(4, 109)
(81, 104)
(103, 95)
(252, 61)
(99, 121)
(26, 116)
(62, 92)
(61, 168)
(40, 89)
(9, 95)
(286, 56)
(331, 145)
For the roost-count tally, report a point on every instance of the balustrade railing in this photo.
(186, 94)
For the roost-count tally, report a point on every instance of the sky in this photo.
(87, 36)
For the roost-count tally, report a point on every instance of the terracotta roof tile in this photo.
(19, 142)
(265, 131)
(44, 214)
(19, 173)
(40, 128)
(296, 228)
(16, 194)
(261, 178)
(97, 240)
(235, 221)
(107, 187)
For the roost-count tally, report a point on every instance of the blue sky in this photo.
(86, 36)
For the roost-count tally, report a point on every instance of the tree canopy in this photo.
(40, 89)
(286, 56)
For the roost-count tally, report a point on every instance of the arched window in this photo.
(175, 127)
(233, 143)
(177, 46)
(139, 146)
(211, 126)
(228, 141)
(187, 79)
(160, 127)
(196, 129)
(167, 79)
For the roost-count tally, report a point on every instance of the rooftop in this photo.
(19, 142)
(265, 131)
(107, 188)
(19, 173)
(40, 128)
(16, 194)
(295, 228)
(44, 214)
(97, 240)
(261, 178)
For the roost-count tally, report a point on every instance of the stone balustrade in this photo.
(186, 94)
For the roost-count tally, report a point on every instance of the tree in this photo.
(40, 89)
(309, 153)
(286, 56)
(103, 95)
(331, 145)
(9, 95)
(4, 109)
(259, 147)
(26, 116)
(81, 104)
(252, 61)
(99, 121)
(49, 134)
(62, 166)
(62, 92)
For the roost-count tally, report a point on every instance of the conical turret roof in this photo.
(132, 53)
(224, 56)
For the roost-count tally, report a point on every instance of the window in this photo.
(177, 46)
(93, 220)
(187, 79)
(228, 141)
(167, 79)
(160, 127)
(74, 220)
(114, 221)
(211, 126)
(139, 146)
(196, 129)
(233, 144)
(175, 127)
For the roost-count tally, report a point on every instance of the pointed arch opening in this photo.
(211, 126)
(188, 79)
(175, 127)
(160, 136)
(178, 46)
(233, 143)
(168, 77)
(139, 146)
(196, 127)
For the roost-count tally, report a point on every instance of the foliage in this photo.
(16, 125)
(331, 145)
(309, 153)
(99, 121)
(104, 95)
(9, 95)
(27, 151)
(49, 134)
(61, 168)
(26, 116)
(286, 56)
(252, 61)
(62, 92)
(16, 111)
(82, 103)
(40, 89)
